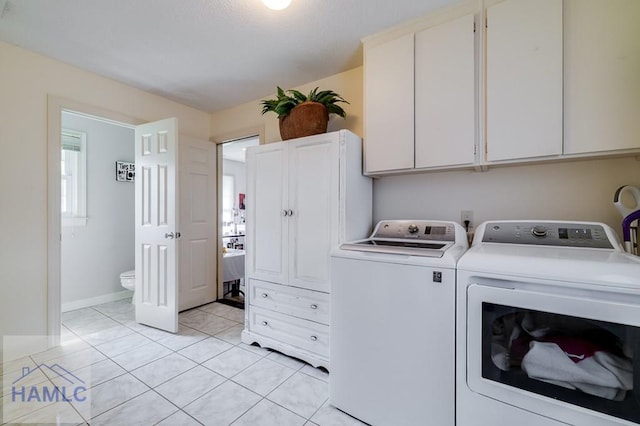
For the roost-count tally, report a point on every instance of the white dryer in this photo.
(392, 323)
(548, 327)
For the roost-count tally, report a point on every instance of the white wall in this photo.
(579, 190)
(238, 170)
(93, 256)
(27, 80)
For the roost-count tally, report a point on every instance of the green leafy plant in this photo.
(286, 100)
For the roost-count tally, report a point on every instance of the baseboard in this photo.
(92, 301)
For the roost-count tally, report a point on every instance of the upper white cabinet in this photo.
(541, 80)
(445, 94)
(389, 94)
(523, 79)
(420, 98)
(602, 75)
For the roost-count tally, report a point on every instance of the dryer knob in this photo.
(413, 228)
(539, 231)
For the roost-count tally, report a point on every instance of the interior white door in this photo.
(197, 254)
(156, 213)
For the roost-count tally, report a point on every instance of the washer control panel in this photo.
(559, 234)
(415, 229)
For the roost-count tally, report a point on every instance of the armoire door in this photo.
(313, 207)
(267, 213)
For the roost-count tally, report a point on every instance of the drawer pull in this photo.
(265, 323)
(265, 295)
(314, 306)
(314, 338)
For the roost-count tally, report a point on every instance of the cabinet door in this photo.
(445, 94)
(389, 93)
(524, 79)
(267, 231)
(313, 199)
(602, 75)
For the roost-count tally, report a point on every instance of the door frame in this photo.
(55, 106)
(244, 133)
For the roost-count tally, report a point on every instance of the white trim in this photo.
(78, 214)
(55, 106)
(92, 301)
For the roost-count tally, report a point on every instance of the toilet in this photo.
(128, 281)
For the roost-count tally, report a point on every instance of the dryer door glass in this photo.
(585, 362)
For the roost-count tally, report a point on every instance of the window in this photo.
(73, 168)
(228, 207)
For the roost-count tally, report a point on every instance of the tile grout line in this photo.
(226, 379)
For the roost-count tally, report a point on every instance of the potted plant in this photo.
(304, 115)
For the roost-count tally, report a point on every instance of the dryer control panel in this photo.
(558, 234)
(415, 230)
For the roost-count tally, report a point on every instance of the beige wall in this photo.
(246, 119)
(26, 80)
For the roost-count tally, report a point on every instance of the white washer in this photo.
(392, 323)
(548, 327)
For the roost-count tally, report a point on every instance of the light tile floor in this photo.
(203, 374)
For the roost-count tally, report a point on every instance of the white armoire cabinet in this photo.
(304, 197)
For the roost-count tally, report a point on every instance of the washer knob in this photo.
(539, 231)
(413, 228)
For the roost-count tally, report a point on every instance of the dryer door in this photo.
(568, 357)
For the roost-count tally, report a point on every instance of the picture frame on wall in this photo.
(125, 171)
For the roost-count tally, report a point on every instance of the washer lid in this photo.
(408, 247)
(410, 237)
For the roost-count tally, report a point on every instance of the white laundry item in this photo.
(603, 374)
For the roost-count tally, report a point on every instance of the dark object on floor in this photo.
(232, 302)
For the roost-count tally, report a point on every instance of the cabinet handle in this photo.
(265, 323)
(314, 306)
(290, 212)
(265, 295)
(285, 213)
(314, 338)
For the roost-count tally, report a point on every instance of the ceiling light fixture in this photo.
(277, 4)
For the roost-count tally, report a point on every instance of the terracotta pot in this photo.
(305, 119)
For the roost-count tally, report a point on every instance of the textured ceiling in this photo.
(209, 54)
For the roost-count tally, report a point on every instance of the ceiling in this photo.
(209, 54)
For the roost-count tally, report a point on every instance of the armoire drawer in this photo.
(304, 334)
(293, 301)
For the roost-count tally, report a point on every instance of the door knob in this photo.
(169, 235)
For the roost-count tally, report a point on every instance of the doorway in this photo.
(202, 273)
(95, 251)
(232, 219)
